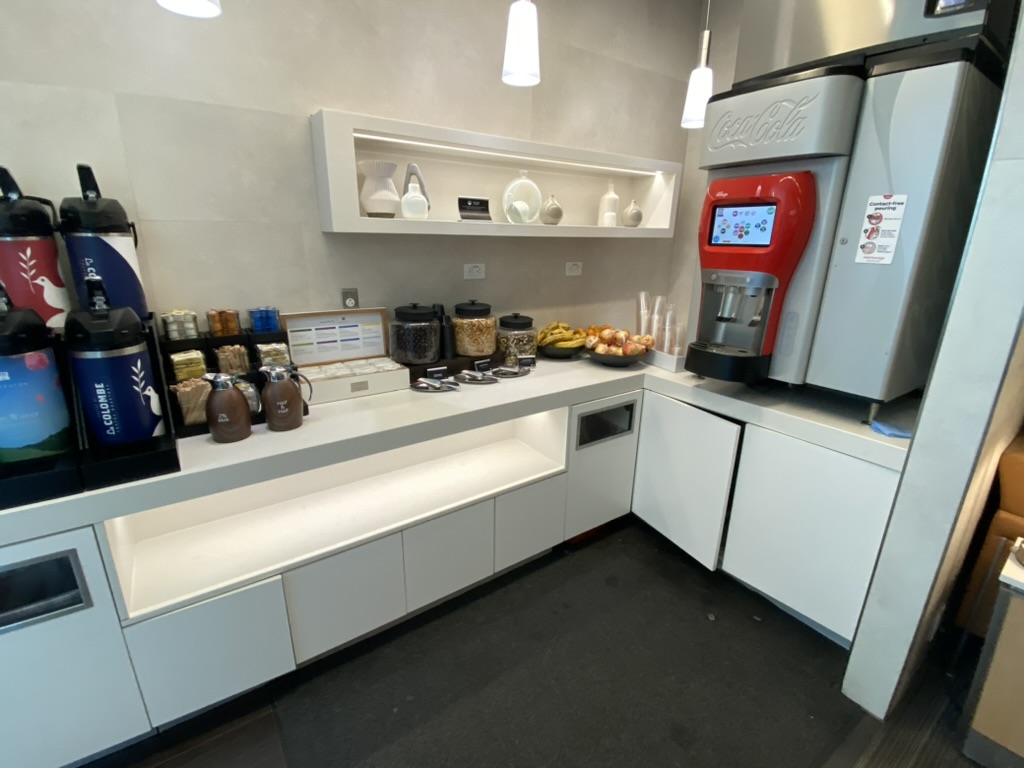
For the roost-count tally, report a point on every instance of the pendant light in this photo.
(199, 9)
(699, 89)
(522, 49)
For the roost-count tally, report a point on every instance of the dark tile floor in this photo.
(618, 652)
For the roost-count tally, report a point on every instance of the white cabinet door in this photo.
(806, 526)
(197, 656)
(528, 520)
(602, 456)
(341, 597)
(67, 689)
(684, 470)
(448, 553)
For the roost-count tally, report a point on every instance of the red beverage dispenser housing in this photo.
(753, 232)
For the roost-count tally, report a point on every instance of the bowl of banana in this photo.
(560, 341)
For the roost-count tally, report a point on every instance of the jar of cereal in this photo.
(474, 329)
(516, 337)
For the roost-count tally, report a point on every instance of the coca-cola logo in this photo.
(779, 122)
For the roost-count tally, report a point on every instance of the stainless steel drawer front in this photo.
(607, 424)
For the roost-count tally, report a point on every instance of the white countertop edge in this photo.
(337, 432)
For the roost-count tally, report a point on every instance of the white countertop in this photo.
(336, 432)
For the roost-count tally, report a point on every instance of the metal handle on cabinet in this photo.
(40, 589)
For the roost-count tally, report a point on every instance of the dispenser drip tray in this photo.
(726, 363)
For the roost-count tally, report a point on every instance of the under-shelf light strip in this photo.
(489, 153)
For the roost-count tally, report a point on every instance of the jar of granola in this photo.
(474, 329)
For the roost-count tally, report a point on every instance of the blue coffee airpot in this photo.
(34, 417)
(112, 370)
(101, 243)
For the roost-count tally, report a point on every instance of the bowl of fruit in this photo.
(560, 341)
(615, 347)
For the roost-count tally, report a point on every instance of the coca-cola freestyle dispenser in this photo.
(880, 164)
(777, 160)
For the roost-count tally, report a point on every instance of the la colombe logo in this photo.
(781, 121)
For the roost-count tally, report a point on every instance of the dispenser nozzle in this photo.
(97, 294)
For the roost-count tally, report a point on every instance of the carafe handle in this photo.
(297, 375)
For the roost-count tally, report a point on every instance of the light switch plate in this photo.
(473, 271)
(573, 268)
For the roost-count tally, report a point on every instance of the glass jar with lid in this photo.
(516, 337)
(474, 329)
(415, 335)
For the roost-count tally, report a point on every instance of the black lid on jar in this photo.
(414, 313)
(92, 213)
(22, 216)
(473, 308)
(21, 330)
(515, 321)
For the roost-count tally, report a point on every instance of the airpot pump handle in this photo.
(87, 181)
(8, 186)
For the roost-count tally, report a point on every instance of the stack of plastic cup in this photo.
(679, 340)
(664, 331)
(643, 313)
(657, 320)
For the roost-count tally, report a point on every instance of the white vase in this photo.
(608, 208)
(378, 195)
(414, 202)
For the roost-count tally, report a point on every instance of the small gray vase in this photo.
(632, 216)
(551, 212)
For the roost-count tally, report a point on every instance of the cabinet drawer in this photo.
(66, 681)
(602, 457)
(449, 553)
(341, 597)
(528, 520)
(197, 656)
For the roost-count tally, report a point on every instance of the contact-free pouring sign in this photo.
(880, 229)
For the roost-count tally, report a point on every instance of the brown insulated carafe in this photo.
(227, 410)
(282, 399)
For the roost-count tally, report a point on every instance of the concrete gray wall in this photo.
(972, 409)
(201, 129)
